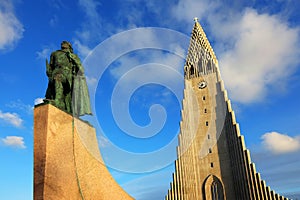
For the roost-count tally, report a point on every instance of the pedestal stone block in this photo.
(67, 160)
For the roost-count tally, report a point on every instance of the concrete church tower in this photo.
(213, 162)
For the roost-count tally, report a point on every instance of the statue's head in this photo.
(66, 45)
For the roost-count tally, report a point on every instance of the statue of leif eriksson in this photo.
(67, 88)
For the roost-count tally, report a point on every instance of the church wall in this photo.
(212, 155)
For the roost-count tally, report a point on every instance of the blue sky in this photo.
(136, 86)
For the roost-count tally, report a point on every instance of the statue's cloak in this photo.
(80, 96)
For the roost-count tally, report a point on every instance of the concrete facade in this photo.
(67, 161)
(213, 162)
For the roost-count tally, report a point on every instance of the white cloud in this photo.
(83, 50)
(11, 28)
(265, 53)
(43, 54)
(53, 21)
(14, 141)
(278, 143)
(91, 27)
(90, 6)
(38, 101)
(20, 106)
(187, 10)
(11, 118)
(92, 23)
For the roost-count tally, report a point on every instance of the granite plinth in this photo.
(67, 161)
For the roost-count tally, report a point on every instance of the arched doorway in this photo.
(213, 188)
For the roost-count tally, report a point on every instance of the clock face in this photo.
(202, 84)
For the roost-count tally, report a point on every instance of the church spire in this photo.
(201, 58)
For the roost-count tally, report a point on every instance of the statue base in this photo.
(67, 160)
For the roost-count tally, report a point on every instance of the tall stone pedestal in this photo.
(67, 161)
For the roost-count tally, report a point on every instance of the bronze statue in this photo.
(67, 88)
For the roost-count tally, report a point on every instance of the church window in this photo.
(216, 191)
(192, 72)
